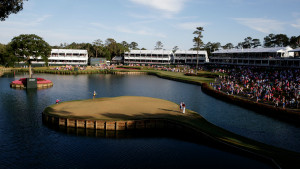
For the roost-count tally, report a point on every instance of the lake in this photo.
(25, 142)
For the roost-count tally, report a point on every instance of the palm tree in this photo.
(98, 44)
(198, 42)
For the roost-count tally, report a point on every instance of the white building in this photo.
(68, 57)
(190, 57)
(278, 56)
(165, 57)
(64, 57)
(148, 57)
(296, 52)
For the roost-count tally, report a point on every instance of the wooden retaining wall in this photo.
(6, 69)
(111, 125)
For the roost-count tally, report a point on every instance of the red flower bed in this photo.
(17, 82)
(23, 81)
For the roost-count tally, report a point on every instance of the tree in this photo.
(8, 7)
(112, 49)
(269, 41)
(125, 44)
(120, 49)
(211, 46)
(239, 45)
(247, 42)
(281, 40)
(30, 47)
(255, 43)
(6, 57)
(3, 54)
(98, 45)
(106, 54)
(111, 46)
(133, 46)
(159, 45)
(198, 42)
(294, 41)
(228, 46)
(175, 48)
(87, 46)
(109, 41)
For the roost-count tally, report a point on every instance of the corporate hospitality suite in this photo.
(273, 57)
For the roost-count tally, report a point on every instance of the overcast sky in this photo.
(147, 21)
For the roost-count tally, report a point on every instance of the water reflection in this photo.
(171, 134)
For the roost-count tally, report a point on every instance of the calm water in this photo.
(26, 143)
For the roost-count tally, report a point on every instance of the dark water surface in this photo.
(25, 142)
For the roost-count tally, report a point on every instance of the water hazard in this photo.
(27, 143)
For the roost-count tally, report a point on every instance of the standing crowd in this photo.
(280, 87)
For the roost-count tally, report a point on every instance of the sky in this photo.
(147, 21)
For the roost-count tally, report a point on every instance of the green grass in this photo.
(285, 158)
(180, 76)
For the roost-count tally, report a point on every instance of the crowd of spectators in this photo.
(69, 67)
(280, 87)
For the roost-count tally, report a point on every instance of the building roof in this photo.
(69, 51)
(150, 52)
(117, 58)
(254, 50)
(295, 50)
(191, 52)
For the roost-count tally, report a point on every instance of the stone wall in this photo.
(39, 86)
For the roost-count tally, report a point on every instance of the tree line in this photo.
(110, 48)
(105, 49)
